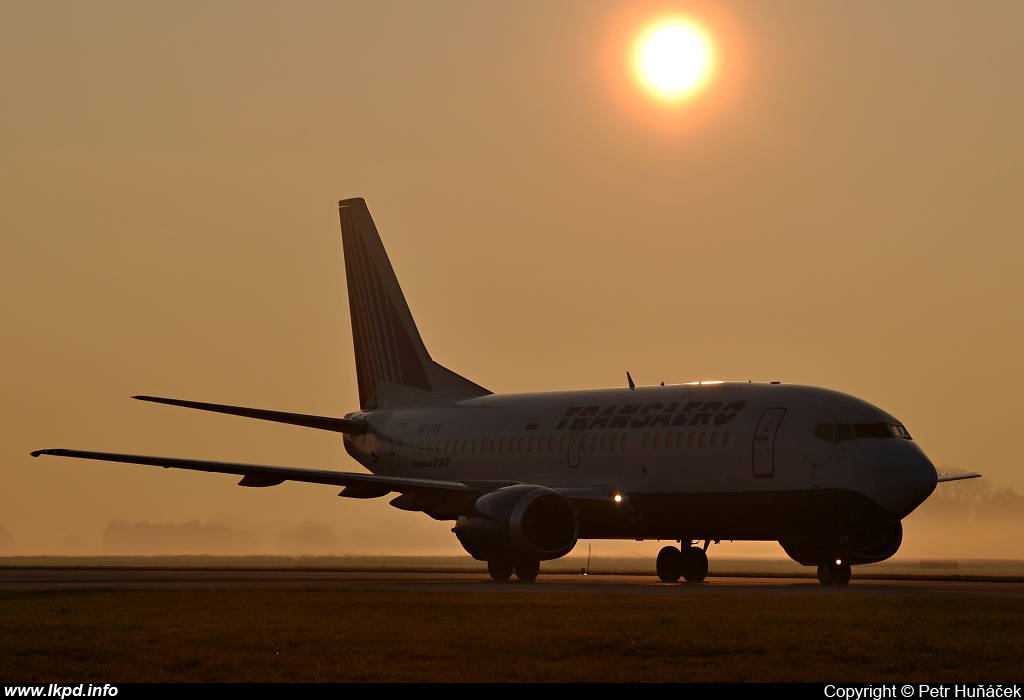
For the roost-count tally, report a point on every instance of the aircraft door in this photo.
(574, 448)
(396, 441)
(764, 442)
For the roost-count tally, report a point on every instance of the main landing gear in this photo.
(691, 564)
(836, 571)
(502, 569)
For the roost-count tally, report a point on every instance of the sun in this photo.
(673, 59)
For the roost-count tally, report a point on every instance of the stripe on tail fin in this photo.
(392, 363)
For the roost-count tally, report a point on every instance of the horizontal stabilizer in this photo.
(259, 475)
(338, 425)
(958, 477)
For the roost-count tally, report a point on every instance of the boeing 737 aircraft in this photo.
(525, 476)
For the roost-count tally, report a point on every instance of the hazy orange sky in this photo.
(839, 206)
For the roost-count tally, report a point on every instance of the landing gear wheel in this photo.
(499, 569)
(526, 571)
(695, 565)
(670, 564)
(841, 574)
(825, 574)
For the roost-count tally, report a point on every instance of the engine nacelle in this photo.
(521, 522)
(868, 547)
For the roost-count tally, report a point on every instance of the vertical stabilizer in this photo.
(392, 364)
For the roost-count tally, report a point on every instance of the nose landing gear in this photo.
(835, 571)
(691, 564)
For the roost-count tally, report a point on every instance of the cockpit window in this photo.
(836, 433)
(872, 430)
(900, 431)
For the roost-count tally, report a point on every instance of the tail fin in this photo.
(392, 364)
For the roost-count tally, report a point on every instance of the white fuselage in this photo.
(723, 460)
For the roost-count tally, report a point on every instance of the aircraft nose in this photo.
(904, 476)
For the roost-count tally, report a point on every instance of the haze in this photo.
(839, 206)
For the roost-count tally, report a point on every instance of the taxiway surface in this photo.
(63, 579)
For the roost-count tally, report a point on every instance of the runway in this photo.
(192, 579)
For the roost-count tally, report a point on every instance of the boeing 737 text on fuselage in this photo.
(524, 477)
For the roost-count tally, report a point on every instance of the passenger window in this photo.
(615, 442)
(457, 447)
(447, 447)
(531, 444)
(604, 442)
(476, 446)
(647, 440)
(680, 439)
(501, 446)
(703, 440)
(551, 444)
(595, 442)
(690, 438)
(625, 442)
(522, 444)
(423, 448)
(494, 445)
(562, 443)
(725, 438)
(668, 439)
(657, 440)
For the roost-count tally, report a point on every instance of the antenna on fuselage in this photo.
(632, 386)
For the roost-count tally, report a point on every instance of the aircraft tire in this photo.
(695, 565)
(670, 564)
(825, 574)
(499, 569)
(841, 574)
(526, 571)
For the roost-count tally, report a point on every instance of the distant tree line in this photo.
(973, 500)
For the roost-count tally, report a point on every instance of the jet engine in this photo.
(868, 547)
(521, 522)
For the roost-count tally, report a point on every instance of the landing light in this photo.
(839, 562)
(618, 498)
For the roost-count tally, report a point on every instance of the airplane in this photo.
(524, 477)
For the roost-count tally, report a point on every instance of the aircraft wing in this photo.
(957, 477)
(356, 485)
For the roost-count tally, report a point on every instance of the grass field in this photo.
(352, 635)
